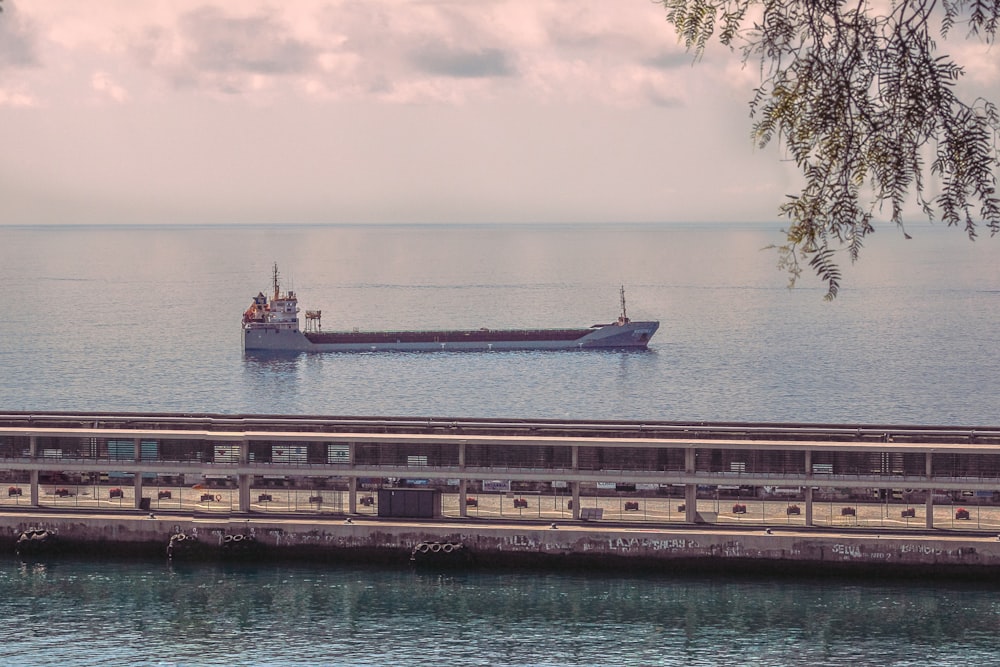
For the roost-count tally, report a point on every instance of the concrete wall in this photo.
(579, 545)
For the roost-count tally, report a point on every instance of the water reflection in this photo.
(272, 379)
(262, 361)
(349, 615)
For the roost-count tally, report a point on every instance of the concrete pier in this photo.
(628, 494)
(494, 544)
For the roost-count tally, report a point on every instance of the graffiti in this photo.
(312, 536)
(921, 549)
(623, 544)
(732, 549)
(854, 551)
(847, 550)
(521, 542)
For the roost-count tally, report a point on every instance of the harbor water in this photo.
(87, 613)
(148, 319)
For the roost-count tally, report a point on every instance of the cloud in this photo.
(979, 64)
(16, 99)
(19, 55)
(669, 60)
(659, 98)
(464, 64)
(18, 39)
(209, 48)
(367, 110)
(387, 51)
(260, 44)
(102, 83)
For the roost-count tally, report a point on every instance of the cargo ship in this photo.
(272, 323)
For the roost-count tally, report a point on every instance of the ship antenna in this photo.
(624, 313)
(275, 280)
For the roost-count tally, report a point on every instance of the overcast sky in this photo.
(355, 111)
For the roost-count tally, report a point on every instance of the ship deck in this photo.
(454, 336)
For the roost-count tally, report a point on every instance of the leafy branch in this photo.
(866, 108)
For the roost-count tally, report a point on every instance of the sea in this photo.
(136, 318)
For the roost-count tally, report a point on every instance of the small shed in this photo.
(409, 503)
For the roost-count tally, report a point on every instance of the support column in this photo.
(352, 482)
(929, 506)
(137, 490)
(809, 489)
(463, 510)
(809, 506)
(243, 480)
(690, 490)
(137, 476)
(576, 500)
(575, 485)
(352, 495)
(33, 480)
(33, 475)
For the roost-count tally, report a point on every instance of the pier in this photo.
(653, 471)
(609, 479)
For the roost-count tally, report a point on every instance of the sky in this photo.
(378, 111)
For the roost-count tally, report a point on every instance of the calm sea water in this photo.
(85, 613)
(148, 319)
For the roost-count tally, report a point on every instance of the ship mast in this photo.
(624, 317)
(275, 274)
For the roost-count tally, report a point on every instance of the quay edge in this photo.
(612, 549)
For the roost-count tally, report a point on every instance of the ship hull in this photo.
(630, 335)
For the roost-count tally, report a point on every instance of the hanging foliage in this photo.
(864, 104)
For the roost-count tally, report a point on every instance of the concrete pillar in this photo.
(33, 478)
(352, 482)
(690, 490)
(809, 506)
(243, 492)
(929, 506)
(33, 475)
(137, 489)
(691, 503)
(137, 477)
(243, 481)
(463, 510)
(809, 489)
(575, 486)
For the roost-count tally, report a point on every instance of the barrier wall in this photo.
(581, 545)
